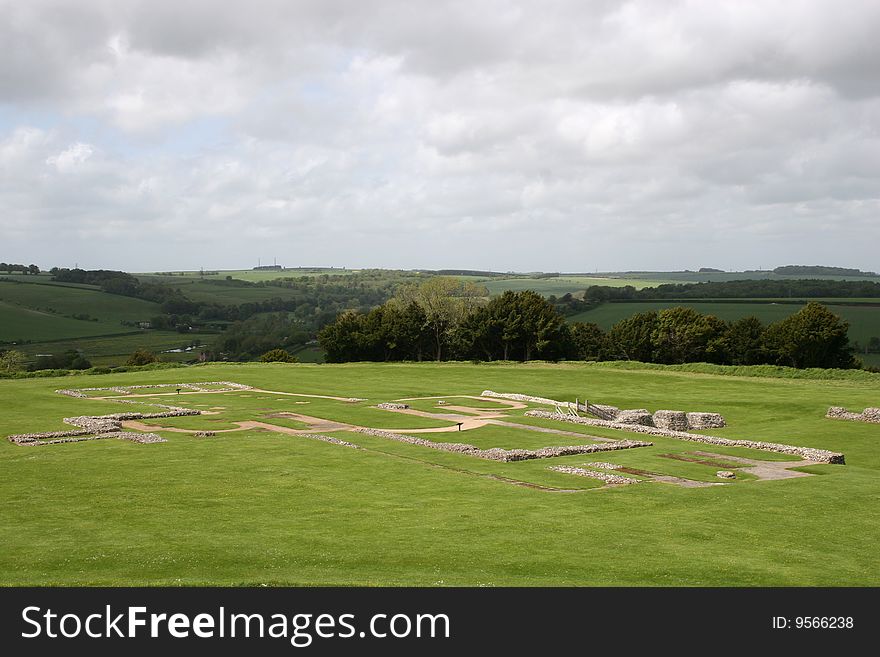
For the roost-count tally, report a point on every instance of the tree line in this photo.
(745, 289)
(11, 268)
(444, 319)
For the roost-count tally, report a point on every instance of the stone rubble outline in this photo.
(506, 455)
(59, 437)
(871, 415)
(607, 477)
(808, 453)
(664, 419)
(326, 439)
(225, 386)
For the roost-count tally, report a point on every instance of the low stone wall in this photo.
(603, 465)
(871, 415)
(28, 438)
(808, 453)
(96, 427)
(639, 416)
(507, 455)
(201, 386)
(95, 424)
(71, 393)
(675, 420)
(393, 406)
(526, 398)
(38, 440)
(327, 439)
(699, 420)
(608, 478)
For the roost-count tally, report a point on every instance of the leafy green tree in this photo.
(142, 357)
(344, 340)
(812, 337)
(446, 302)
(278, 356)
(682, 335)
(589, 342)
(631, 338)
(744, 342)
(69, 360)
(12, 361)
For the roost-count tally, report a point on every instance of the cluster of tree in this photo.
(69, 360)
(278, 356)
(812, 337)
(568, 304)
(11, 360)
(525, 326)
(746, 289)
(820, 270)
(142, 357)
(21, 269)
(425, 321)
(253, 337)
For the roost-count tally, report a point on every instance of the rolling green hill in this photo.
(41, 311)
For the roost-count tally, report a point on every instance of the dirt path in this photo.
(219, 392)
(557, 432)
(511, 405)
(765, 470)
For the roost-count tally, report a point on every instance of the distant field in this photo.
(309, 354)
(699, 277)
(173, 278)
(113, 350)
(557, 286)
(42, 311)
(864, 320)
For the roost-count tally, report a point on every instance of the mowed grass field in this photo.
(257, 507)
(864, 320)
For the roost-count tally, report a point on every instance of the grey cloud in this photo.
(562, 135)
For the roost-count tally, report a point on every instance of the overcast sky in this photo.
(555, 135)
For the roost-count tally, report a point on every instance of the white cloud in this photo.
(564, 135)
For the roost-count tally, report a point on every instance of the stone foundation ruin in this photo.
(506, 455)
(808, 453)
(663, 419)
(607, 477)
(871, 415)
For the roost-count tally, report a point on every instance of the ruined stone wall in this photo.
(675, 420)
(506, 455)
(607, 477)
(871, 415)
(809, 453)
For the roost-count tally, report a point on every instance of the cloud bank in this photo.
(558, 136)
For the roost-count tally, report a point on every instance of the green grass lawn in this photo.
(864, 320)
(257, 507)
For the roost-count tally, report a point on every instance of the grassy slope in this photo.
(40, 311)
(256, 507)
(864, 320)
